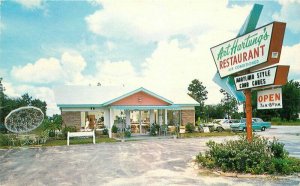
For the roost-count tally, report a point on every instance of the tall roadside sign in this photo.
(244, 57)
(248, 26)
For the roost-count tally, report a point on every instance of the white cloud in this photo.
(290, 56)
(156, 20)
(72, 65)
(30, 4)
(171, 66)
(115, 73)
(110, 45)
(48, 70)
(289, 13)
(9, 89)
(42, 71)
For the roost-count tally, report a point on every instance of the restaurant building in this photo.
(137, 107)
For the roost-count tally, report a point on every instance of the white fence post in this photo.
(68, 139)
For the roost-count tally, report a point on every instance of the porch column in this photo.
(160, 117)
(166, 116)
(127, 112)
(111, 121)
(152, 119)
(107, 120)
(140, 121)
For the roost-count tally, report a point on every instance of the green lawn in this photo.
(105, 139)
(286, 123)
(210, 134)
(74, 141)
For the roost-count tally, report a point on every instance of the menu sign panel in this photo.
(249, 50)
(256, 79)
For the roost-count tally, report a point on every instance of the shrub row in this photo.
(258, 157)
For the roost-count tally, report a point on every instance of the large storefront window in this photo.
(174, 117)
(140, 121)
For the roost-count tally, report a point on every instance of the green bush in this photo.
(3, 129)
(259, 156)
(4, 140)
(189, 127)
(105, 131)
(154, 129)
(277, 149)
(127, 132)
(67, 129)
(275, 119)
(114, 129)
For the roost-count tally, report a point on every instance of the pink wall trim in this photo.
(140, 98)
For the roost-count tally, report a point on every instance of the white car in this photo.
(224, 124)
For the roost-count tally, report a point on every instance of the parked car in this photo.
(257, 124)
(222, 124)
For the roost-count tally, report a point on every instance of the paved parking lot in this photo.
(151, 162)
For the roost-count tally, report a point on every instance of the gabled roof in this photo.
(98, 96)
(141, 89)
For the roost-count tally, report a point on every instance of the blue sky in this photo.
(156, 44)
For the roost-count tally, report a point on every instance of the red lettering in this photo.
(260, 99)
(265, 98)
(256, 52)
(221, 65)
(262, 47)
(245, 56)
(271, 97)
(277, 96)
(250, 56)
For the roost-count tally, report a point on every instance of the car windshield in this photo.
(235, 121)
(243, 120)
(259, 120)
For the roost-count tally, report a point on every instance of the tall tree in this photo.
(9, 104)
(199, 93)
(229, 103)
(290, 102)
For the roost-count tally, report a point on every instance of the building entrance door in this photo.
(92, 121)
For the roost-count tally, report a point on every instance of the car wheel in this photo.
(219, 129)
(263, 128)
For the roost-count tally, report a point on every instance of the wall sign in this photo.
(269, 99)
(261, 46)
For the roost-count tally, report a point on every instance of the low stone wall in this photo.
(187, 116)
(71, 119)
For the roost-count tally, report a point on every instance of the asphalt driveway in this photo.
(151, 162)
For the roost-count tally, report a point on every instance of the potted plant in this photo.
(114, 131)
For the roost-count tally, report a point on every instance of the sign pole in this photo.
(248, 115)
